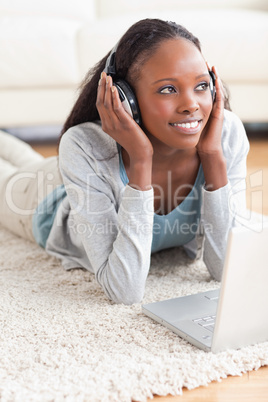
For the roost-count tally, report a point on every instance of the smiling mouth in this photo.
(191, 126)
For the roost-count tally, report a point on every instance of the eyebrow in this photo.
(174, 79)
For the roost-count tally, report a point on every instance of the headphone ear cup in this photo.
(212, 85)
(128, 99)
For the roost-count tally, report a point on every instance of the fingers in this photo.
(104, 103)
(108, 102)
(104, 99)
(101, 90)
(218, 84)
(117, 104)
(108, 94)
(115, 120)
(208, 66)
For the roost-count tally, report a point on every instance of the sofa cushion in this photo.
(108, 8)
(82, 10)
(38, 52)
(233, 42)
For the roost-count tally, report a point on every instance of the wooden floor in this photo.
(252, 386)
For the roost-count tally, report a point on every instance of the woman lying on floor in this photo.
(127, 186)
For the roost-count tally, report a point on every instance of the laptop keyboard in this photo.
(207, 322)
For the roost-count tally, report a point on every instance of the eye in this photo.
(169, 89)
(202, 87)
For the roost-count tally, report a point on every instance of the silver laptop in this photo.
(236, 314)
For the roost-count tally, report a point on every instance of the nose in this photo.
(187, 103)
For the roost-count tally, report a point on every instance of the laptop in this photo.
(234, 315)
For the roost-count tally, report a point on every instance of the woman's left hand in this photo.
(209, 146)
(210, 140)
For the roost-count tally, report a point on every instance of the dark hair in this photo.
(135, 47)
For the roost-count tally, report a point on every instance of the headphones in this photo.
(126, 93)
(212, 85)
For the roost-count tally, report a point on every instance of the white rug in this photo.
(62, 340)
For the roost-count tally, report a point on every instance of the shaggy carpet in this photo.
(62, 340)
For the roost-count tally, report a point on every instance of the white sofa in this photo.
(46, 47)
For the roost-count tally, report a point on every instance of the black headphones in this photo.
(126, 93)
(212, 85)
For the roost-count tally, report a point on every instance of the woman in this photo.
(133, 185)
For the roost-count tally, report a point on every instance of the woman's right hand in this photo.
(123, 129)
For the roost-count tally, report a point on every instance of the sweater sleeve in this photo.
(115, 231)
(225, 207)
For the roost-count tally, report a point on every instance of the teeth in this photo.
(193, 124)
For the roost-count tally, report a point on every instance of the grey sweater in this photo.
(106, 226)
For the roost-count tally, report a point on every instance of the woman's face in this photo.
(173, 94)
